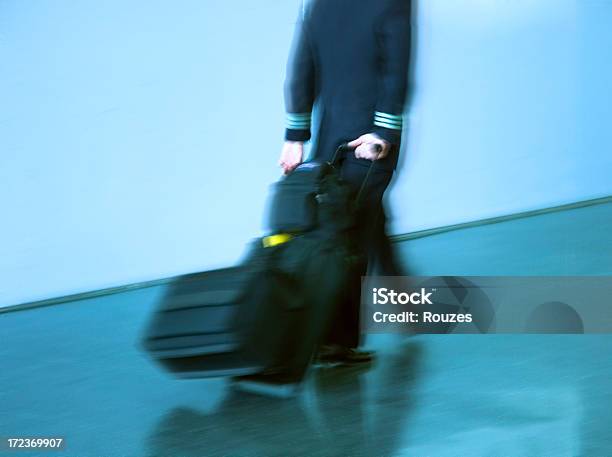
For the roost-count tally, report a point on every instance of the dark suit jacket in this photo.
(351, 58)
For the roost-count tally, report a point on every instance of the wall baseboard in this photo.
(498, 219)
(394, 238)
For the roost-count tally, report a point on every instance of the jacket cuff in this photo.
(390, 136)
(298, 126)
(388, 127)
(297, 135)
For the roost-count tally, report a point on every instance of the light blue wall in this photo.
(138, 139)
(511, 103)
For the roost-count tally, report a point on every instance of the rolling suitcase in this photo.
(258, 317)
(224, 322)
(270, 313)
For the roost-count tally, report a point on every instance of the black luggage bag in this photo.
(197, 331)
(270, 313)
(265, 316)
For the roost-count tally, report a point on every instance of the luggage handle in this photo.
(342, 149)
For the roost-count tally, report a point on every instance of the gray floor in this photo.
(75, 371)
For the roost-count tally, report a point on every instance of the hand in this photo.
(366, 147)
(291, 156)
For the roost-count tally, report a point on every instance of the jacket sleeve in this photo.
(300, 83)
(394, 48)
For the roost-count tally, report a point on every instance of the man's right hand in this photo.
(291, 155)
(365, 147)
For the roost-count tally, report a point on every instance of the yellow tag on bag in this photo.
(275, 240)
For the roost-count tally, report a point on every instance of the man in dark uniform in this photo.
(350, 59)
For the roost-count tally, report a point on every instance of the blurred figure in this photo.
(350, 58)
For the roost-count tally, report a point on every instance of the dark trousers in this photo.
(373, 244)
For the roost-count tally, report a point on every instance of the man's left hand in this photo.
(365, 147)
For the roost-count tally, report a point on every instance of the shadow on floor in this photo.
(342, 411)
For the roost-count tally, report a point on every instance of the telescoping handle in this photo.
(345, 148)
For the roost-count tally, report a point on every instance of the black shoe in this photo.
(339, 355)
